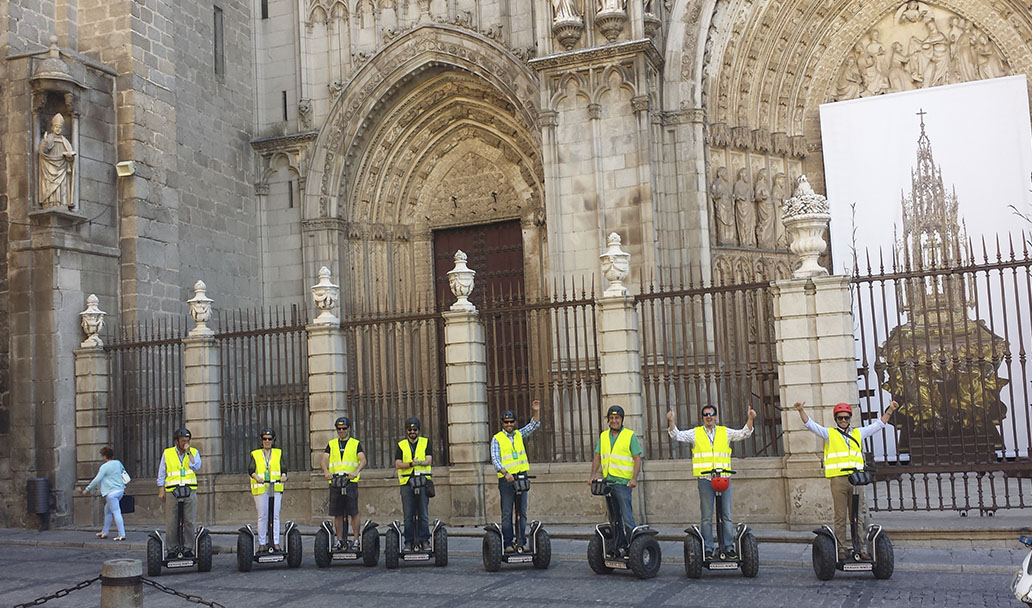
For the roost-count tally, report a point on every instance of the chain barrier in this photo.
(196, 599)
(61, 593)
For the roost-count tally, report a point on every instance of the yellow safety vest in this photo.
(617, 460)
(841, 454)
(707, 456)
(178, 472)
(512, 453)
(275, 472)
(346, 462)
(407, 456)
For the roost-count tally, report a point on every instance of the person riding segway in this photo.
(508, 542)
(711, 464)
(342, 463)
(846, 471)
(184, 544)
(612, 546)
(268, 473)
(412, 459)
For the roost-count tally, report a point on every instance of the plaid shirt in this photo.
(496, 450)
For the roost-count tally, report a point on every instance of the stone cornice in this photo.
(323, 223)
(600, 54)
(281, 142)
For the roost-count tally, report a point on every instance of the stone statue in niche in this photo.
(605, 6)
(778, 193)
(56, 167)
(765, 231)
(723, 207)
(745, 209)
(565, 10)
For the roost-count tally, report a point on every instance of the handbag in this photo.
(599, 487)
(127, 504)
(125, 477)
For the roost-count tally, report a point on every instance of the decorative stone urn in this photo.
(652, 25)
(611, 23)
(200, 310)
(92, 321)
(326, 294)
(460, 280)
(568, 31)
(806, 217)
(616, 266)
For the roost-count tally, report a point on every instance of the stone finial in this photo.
(200, 310)
(92, 321)
(806, 216)
(326, 295)
(460, 280)
(616, 266)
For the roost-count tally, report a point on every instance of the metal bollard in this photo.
(121, 585)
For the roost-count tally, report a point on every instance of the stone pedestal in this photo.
(120, 583)
(327, 382)
(92, 398)
(817, 365)
(202, 417)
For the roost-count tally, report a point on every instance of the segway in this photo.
(160, 555)
(325, 551)
(539, 545)
(748, 553)
(825, 545)
(394, 554)
(609, 548)
(247, 542)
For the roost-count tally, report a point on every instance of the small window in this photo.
(265, 9)
(290, 194)
(283, 97)
(219, 43)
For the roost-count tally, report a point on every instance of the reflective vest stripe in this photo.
(346, 463)
(178, 471)
(707, 456)
(841, 454)
(407, 456)
(513, 460)
(617, 460)
(275, 471)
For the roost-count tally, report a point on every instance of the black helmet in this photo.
(267, 431)
(508, 415)
(412, 423)
(341, 422)
(615, 409)
(181, 432)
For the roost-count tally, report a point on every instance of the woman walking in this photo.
(112, 488)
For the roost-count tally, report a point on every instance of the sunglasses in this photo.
(343, 428)
(266, 438)
(508, 422)
(709, 414)
(842, 417)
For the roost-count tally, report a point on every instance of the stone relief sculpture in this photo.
(778, 193)
(56, 167)
(765, 230)
(745, 209)
(723, 207)
(565, 10)
(917, 46)
(605, 6)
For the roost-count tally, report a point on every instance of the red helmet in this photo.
(720, 484)
(842, 407)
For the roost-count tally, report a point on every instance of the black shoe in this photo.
(425, 546)
(731, 555)
(408, 548)
(188, 553)
(709, 556)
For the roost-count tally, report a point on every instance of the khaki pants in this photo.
(842, 496)
(172, 520)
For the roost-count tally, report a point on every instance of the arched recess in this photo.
(439, 113)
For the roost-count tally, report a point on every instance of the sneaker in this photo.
(188, 553)
(338, 545)
(731, 555)
(277, 547)
(709, 555)
(408, 548)
(841, 556)
(523, 548)
(261, 548)
(510, 548)
(356, 545)
(425, 546)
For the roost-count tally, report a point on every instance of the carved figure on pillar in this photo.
(611, 5)
(745, 209)
(723, 207)
(778, 193)
(565, 10)
(56, 167)
(765, 230)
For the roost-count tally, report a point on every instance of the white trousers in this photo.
(261, 502)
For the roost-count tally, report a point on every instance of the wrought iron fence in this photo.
(264, 383)
(546, 349)
(394, 372)
(948, 343)
(147, 388)
(709, 345)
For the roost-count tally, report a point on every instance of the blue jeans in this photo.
(706, 502)
(409, 504)
(622, 497)
(508, 500)
(113, 511)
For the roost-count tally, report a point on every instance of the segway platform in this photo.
(248, 554)
(641, 555)
(825, 554)
(325, 554)
(158, 555)
(395, 554)
(538, 552)
(745, 545)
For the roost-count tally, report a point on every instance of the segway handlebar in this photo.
(719, 472)
(866, 469)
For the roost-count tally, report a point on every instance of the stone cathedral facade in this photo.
(249, 142)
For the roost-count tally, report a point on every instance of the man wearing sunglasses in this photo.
(414, 454)
(344, 456)
(711, 449)
(843, 452)
(509, 457)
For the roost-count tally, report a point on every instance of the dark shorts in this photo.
(344, 505)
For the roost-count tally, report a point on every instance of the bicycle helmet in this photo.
(181, 432)
(616, 409)
(412, 423)
(508, 415)
(842, 407)
(267, 431)
(342, 421)
(720, 484)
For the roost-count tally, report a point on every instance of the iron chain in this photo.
(61, 593)
(196, 599)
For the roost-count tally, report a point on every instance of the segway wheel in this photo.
(596, 555)
(644, 556)
(245, 552)
(824, 557)
(295, 551)
(750, 556)
(391, 548)
(693, 557)
(153, 557)
(204, 553)
(542, 550)
(322, 548)
(492, 550)
(441, 547)
(886, 559)
(370, 547)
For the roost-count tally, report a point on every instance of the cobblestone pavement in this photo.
(32, 571)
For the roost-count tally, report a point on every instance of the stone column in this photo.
(327, 367)
(92, 399)
(201, 413)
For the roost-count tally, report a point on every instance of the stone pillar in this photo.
(201, 368)
(120, 583)
(92, 398)
(327, 382)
